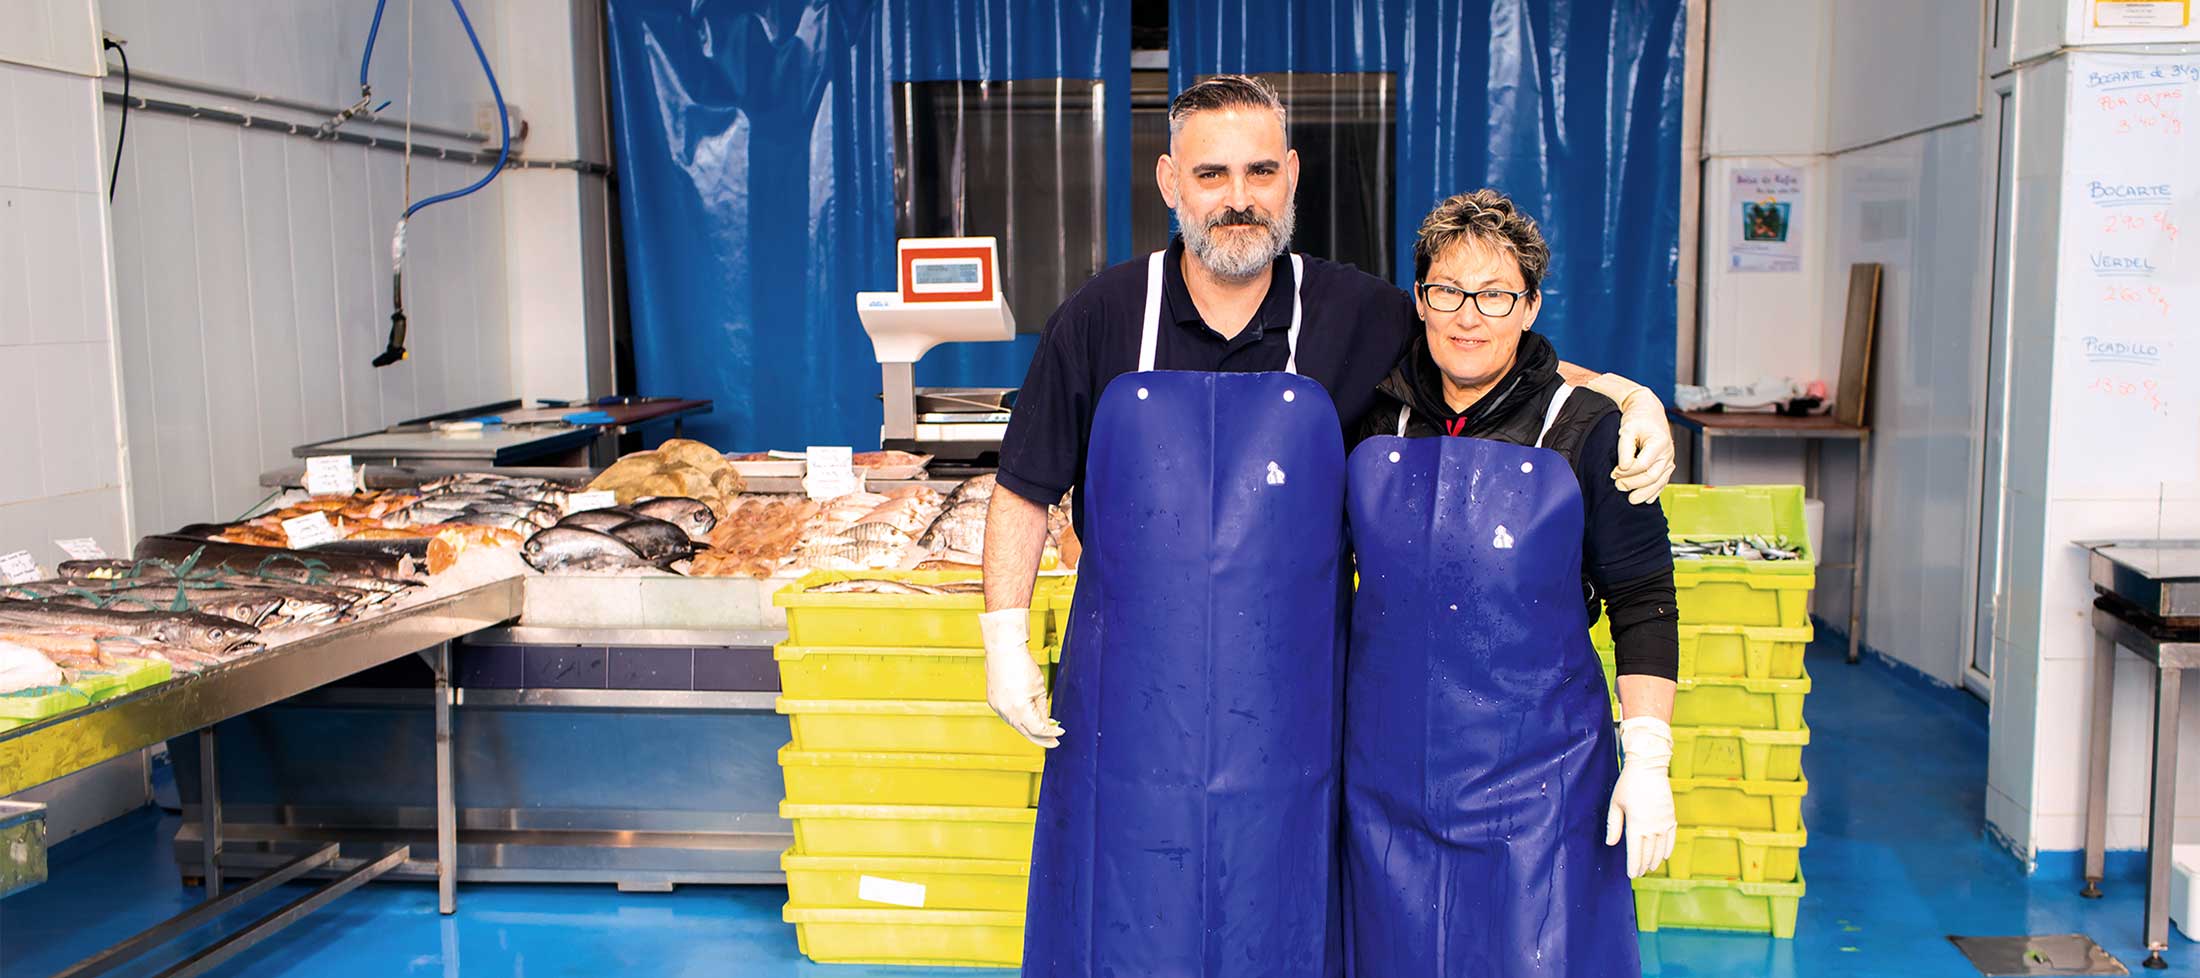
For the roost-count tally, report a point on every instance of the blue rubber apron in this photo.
(1187, 822)
(1479, 749)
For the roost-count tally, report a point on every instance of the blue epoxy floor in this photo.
(1896, 863)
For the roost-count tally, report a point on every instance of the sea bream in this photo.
(692, 516)
(654, 539)
(573, 549)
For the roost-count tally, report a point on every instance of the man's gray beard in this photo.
(1238, 259)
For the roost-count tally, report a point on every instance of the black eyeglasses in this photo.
(1494, 303)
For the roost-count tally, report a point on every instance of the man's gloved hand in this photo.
(1645, 438)
(1014, 686)
(1642, 801)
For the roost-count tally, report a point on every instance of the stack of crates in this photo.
(1738, 730)
(913, 804)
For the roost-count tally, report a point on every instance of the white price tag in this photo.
(19, 568)
(831, 472)
(581, 502)
(309, 530)
(873, 889)
(330, 475)
(82, 548)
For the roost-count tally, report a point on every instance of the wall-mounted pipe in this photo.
(322, 111)
(305, 130)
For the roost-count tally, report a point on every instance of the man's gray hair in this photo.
(1226, 92)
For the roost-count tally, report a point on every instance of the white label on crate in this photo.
(19, 567)
(330, 475)
(82, 548)
(309, 530)
(581, 502)
(872, 889)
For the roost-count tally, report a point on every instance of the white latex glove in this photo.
(1645, 438)
(1642, 801)
(1014, 686)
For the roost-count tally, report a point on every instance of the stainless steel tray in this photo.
(2160, 577)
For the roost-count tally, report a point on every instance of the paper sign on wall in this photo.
(1767, 203)
(2142, 13)
(330, 475)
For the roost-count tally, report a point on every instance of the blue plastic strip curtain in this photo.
(1571, 107)
(756, 190)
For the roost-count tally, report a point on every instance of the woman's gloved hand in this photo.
(1645, 438)
(1014, 686)
(1642, 801)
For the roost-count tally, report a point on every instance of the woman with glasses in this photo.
(1486, 803)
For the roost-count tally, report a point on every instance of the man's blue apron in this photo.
(1187, 822)
(1479, 752)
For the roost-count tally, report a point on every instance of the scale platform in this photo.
(2158, 578)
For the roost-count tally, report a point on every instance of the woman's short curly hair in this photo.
(1489, 219)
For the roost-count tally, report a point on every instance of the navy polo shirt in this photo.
(1354, 327)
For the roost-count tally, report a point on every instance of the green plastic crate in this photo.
(1732, 752)
(1731, 803)
(41, 702)
(1760, 908)
(1715, 701)
(1729, 590)
(1705, 852)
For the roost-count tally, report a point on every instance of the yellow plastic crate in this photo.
(1729, 803)
(1729, 590)
(910, 882)
(949, 938)
(843, 672)
(1715, 701)
(954, 832)
(1762, 908)
(889, 778)
(1743, 650)
(941, 621)
(1703, 852)
(1731, 752)
(908, 726)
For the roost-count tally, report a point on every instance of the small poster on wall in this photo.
(1767, 203)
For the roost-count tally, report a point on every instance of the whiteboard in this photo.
(2127, 358)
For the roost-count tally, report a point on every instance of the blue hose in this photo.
(504, 118)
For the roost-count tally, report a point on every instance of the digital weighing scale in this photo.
(947, 290)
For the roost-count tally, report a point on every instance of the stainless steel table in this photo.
(47, 749)
(2149, 602)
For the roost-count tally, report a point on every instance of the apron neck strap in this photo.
(1149, 337)
(1550, 415)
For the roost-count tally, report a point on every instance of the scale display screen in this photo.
(948, 270)
(946, 274)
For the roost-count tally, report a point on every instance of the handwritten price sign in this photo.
(2147, 392)
(2151, 295)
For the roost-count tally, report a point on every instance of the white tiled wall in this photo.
(1919, 206)
(63, 476)
(252, 268)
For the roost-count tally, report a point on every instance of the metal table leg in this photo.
(2096, 772)
(210, 815)
(2162, 813)
(1863, 537)
(446, 801)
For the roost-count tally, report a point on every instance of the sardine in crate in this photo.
(1730, 590)
(944, 621)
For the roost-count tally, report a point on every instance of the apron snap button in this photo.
(1394, 456)
(1289, 396)
(1527, 466)
(1141, 393)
